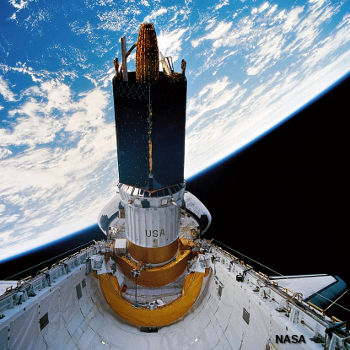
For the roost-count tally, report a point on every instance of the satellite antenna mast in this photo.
(124, 55)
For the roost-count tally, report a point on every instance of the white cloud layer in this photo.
(170, 42)
(45, 187)
(5, 91)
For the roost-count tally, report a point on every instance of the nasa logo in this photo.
(294, 339)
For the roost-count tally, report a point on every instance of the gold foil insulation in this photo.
(153, 255)
(143, 316)
(155, 276)
(147, 55)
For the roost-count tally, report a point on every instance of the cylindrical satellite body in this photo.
(152, 222)
(150, 112)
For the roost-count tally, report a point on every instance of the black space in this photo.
(281, 201)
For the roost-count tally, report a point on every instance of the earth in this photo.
(251, 65)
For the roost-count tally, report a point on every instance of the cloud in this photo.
(19, 5)
(37, 76)
(4, 152)
(266, 34)
(211, 97)
(220, 31)
(292, 19)
(144, 3)
(122, 19)
(154, 14)
(170, 42)
(55, 185)
(324, 49)
(210, 123)
(267, 39)
(226, 127)
(270, 48)
(221, 4)
(5, 91)
(263, 7)
(36, 122)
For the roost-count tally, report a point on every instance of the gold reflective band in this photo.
(162, 315)
(156, 276)
(153, 255)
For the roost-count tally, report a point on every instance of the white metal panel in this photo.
(156, 225)
(4, 338)
(109, 210)
(153, 227)
(7, 284)
(193, 204)
(55, 329)
(306, 285)
(24, 329)
(120, 243)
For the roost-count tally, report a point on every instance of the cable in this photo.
(268, 268)
(44, 262)
(255, 261)
(334, 302)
